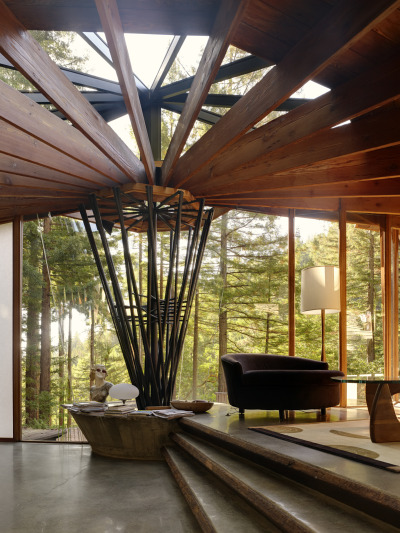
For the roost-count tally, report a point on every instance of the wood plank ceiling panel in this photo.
(25, 53)
(171, 17)
(112, 26)
(346, 23)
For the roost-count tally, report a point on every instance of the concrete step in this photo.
(371, 501)
(290, 505)
(216, 508)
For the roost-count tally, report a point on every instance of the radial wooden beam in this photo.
(25, 53)
(375, 87)
(17, 182)
(376, 131)
(376, 188)
(112, 26)
(344, 24)
(12, 166)
(15, 142)
(24, 114)
(28, 207)
(318, 204)
(228, 18)
(373, 165)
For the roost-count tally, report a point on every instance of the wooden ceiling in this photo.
(340, 150)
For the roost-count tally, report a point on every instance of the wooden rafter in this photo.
(25, 53)
(225, 24)
(24, 114)
(375, 87)
(12, 165)
(112, 26)
(378, 130)
(15, 142)
(356, 189)
(21, 183)
(345, 23)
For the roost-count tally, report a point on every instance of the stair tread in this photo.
(226, 511)
(311, 508)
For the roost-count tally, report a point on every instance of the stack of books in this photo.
(171, 413)
(120, 410)
(86, 407)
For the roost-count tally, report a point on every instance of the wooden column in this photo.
(343, 304)
(386, 273)
(395, 303)
(17, 306)
(291, 282)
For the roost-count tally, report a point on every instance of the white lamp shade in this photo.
(320, 289)
(124, 391)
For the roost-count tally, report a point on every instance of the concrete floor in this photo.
(57, 488)
(63, 488)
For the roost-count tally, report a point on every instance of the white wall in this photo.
(6, 331)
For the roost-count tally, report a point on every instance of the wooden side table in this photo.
(384, 425)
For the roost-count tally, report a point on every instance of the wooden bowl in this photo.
(197, 406)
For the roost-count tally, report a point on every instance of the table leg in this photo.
(384, 425)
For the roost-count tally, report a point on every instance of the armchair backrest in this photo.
(251, 361)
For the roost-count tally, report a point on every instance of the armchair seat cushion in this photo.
(287, 378)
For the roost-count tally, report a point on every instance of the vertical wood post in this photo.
(386, 270)
(17, 306)
(343, 304)
(291, 282)
(395, 304)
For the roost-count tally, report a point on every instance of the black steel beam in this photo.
(98, 44)
(208, 117)
(168, 60)
(230, 70)
(229, 100)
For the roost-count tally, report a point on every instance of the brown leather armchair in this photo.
(279, 382)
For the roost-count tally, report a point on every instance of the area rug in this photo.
(348, 439)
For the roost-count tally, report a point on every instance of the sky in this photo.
(146, 53)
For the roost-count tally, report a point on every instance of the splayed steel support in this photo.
(155, 322)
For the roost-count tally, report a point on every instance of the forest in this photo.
(241, 305)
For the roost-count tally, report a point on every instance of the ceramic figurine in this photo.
(99, 391)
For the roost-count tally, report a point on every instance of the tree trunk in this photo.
(267, 331)
(32, 336)
(92, 358)
(223, 313)
(371, 297)
(32, 366)
(45, 350)
(61, 362)
(195, 344)
(69, 359)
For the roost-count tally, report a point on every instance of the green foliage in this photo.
(58, 46)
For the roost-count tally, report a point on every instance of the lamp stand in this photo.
(323, 355)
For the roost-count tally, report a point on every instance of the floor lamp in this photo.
(320, 293)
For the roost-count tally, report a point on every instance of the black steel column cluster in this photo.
(156, 322)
